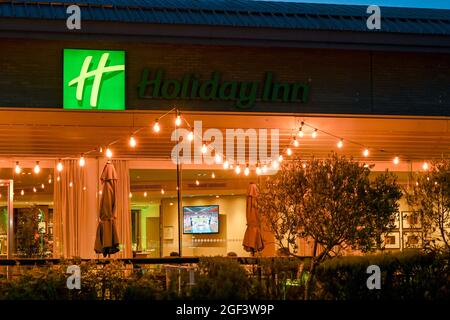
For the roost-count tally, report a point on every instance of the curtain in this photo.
(69, 214)
(123, 211)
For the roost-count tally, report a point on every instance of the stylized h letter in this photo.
(97, 74)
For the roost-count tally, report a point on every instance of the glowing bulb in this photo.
(70, 184)
(280, 158)
(58, 179)
(258, 170)
(314, 134)
(264, 168)
(366, 152)
(226, 165)
(59, 166)
(82, 162)
(130, 195)
(18, 169)
(162, 191)
(340, 144)
(34, 189)
(178, 121)
(213, 175)
(42, 186)
(425, 166)
(109, 153)
(396, 160)
(37, 168)
(197, 182)
(295, 142)
(204, 149)
(275, 164)
(49, 180)
(300, 133)
(289, 151)
(132, 142)
(156, 127)
(145, 194)
(191, 135)
(238, 169)
(246, 171)
(218, 158)
(22, 192)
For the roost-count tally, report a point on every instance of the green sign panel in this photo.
(94, 79)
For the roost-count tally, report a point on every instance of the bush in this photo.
(404, 276)
(147, 286)
(222, 279)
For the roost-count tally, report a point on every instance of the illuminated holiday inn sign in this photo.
(244, 94)
(95, 80)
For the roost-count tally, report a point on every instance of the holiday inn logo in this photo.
(94, 79)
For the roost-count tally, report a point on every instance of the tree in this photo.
(333, 202)
(430, 199)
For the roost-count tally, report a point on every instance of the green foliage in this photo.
(430, 199)
(222, 279)
(31, 242)
(404, 276)
(146, 286)
(333, 201)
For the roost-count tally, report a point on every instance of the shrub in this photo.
(404, 276)
(222, 279)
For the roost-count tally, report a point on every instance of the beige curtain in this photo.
(69, 210)
(123, 212)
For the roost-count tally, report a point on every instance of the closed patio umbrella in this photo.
(107, 241)
(253, 241)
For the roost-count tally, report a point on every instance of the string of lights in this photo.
(297, 135)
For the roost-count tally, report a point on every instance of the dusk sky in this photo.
(440, 4)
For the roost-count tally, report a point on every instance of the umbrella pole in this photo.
(179, 206)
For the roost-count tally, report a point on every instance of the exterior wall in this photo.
(341, 81)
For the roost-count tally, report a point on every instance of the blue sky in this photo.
(440, 4)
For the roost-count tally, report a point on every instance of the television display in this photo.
(201, 219)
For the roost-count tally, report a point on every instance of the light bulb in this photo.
(246, 171)
(191, 135)
(42, 186)
(22, 192)
(178, 121)
(18, 169)
(130, 195)
(218, 158)
(156, 127)
(145, 194)
(425, 166)
(109, 153)
(82, 162)
(213, 175)
(340, 144)
(197, 182)
(204, 149)
(396, 160)
(275, 164)
(280, 158)
(314, 134)
(226, 165)
(295, 142)
(162, 191)
(37, 168)
(70, 184)
(366, 152)
(264, 168)
(132, 142)
(258, 170)
(58, 178)
(300, 133)
(59, 166)
(238, 169)
(289, 151)
(34, 189)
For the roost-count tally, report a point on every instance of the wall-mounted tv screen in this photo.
(201, 219)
